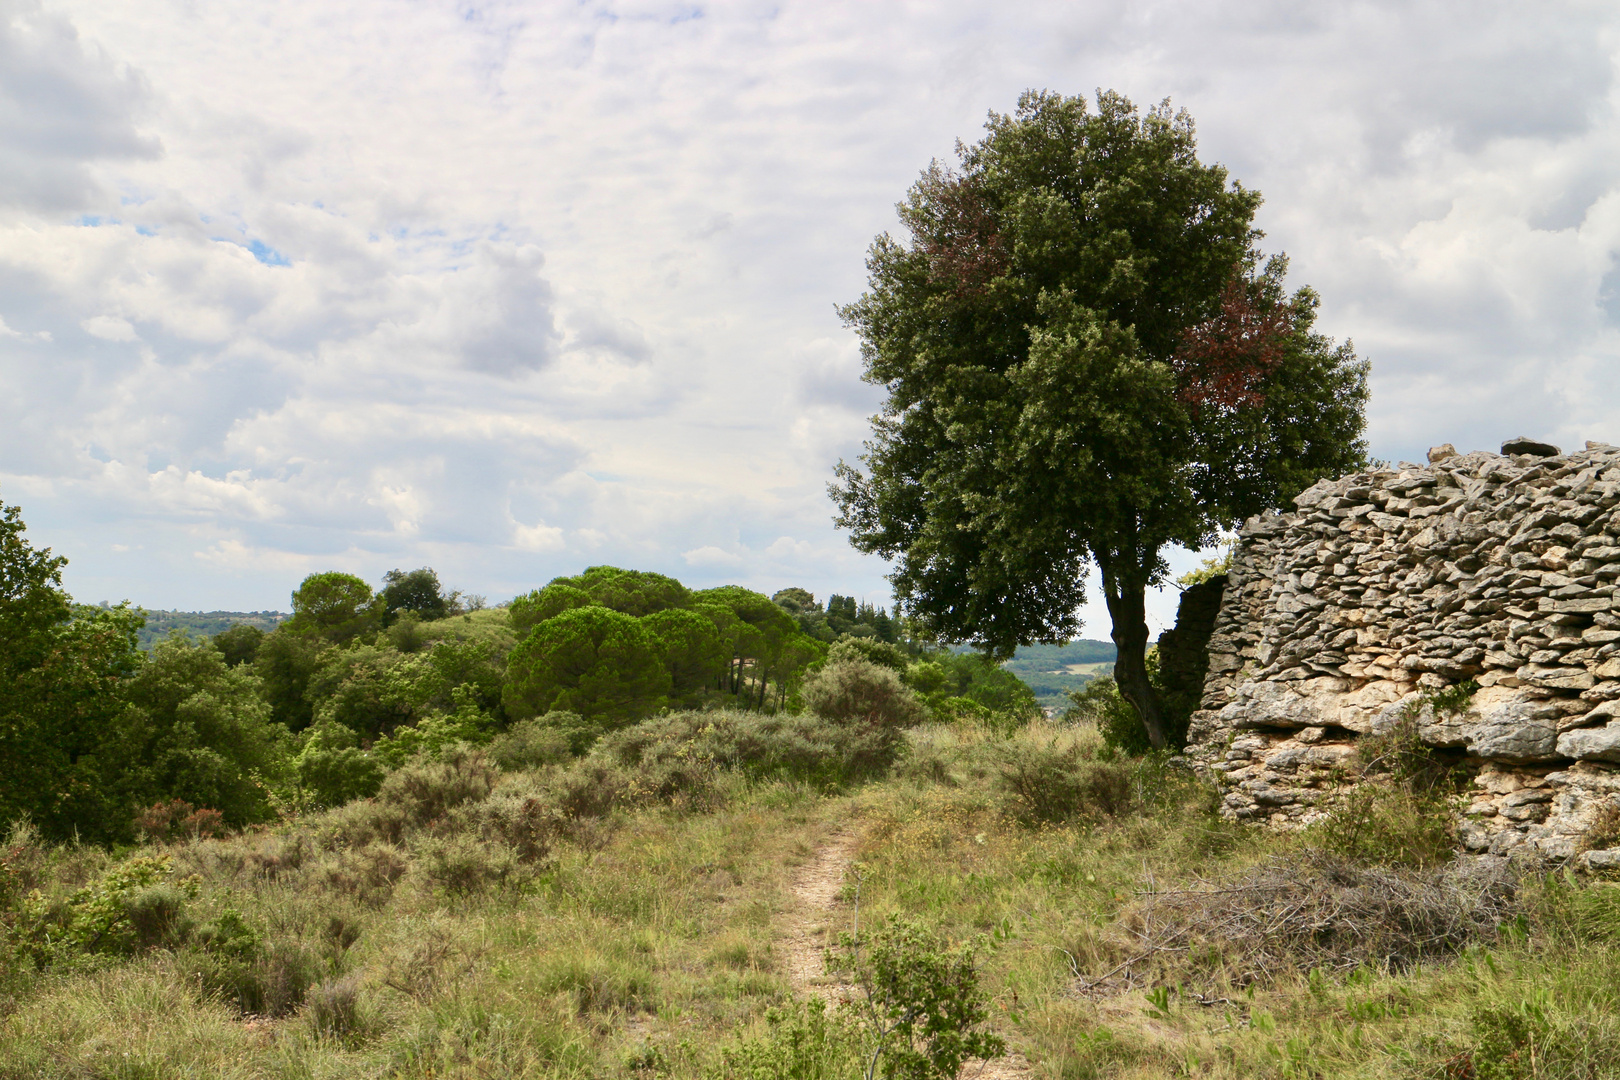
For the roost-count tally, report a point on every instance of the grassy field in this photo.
(601, 920)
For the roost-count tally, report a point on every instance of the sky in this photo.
(509, 289)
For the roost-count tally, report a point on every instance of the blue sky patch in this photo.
(267, 254)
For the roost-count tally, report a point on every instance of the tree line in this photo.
(359, 681)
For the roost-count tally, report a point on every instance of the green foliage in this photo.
(531, 743)
(531, 610)
(1211, 568)
(1066, 383)
(129, 907)
(859, 692)
(1402, 808)
(435, 732)
(415, 591)
(229, 959)
(65, 745)
(957, 684)
(780, 746)
(843, 617)
(239, 644)
(198, 730)
(285, 662)
(922, 1006)
(873, 651)
(599, 663)
(692, 652)
(802, 1041)
(1063, 782)
(630, 592)
(335, 606)
(1098, 702)
(331, 768)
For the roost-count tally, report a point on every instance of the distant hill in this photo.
(202, 624)
(1053, 670)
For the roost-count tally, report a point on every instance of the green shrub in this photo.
(368, 872)
(802, 1041)
(1051, 782)
(332, 769)
(860, 692)
(922, 1005)
(1388, 824)
(131, 906)
(462, 866)
(1401, 807)
(1525, 1040)
(789, 746)
(1099, 702)
(529, 744)
(427, 790)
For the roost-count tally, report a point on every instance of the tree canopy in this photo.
(1087, 358)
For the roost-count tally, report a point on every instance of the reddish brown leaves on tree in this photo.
(1224, 360)
(956, 229)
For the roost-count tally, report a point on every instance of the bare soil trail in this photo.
(813, 921)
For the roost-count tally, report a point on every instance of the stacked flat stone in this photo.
(1382, 589)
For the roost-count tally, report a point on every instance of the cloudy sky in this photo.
(513, 288)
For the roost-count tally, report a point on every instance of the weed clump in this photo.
(1401, 809)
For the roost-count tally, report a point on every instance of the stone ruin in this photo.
(1386, 588)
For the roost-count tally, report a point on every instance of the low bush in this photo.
(802, 1041)
(230, 960)
(789, 746)
(130, 907)
(1400, 808)
(427, 790)
(922, 1010)
(1100, 704)
(855, 691)
(1052, 781)
(529, 744)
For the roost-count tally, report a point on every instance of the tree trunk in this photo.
(1127, 606)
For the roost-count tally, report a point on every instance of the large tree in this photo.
(1087, 359)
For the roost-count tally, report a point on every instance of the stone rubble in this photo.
(1382, 590)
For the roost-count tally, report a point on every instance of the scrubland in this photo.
(499, 912)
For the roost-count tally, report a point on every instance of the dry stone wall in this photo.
(1383, 591)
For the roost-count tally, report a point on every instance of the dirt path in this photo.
(814, 920)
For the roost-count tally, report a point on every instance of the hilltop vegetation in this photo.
(200, 624)
(268, 717)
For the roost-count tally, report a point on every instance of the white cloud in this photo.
(18, 335)
(109, 328)
(711, 557)
(540, 537)
(555, 284)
